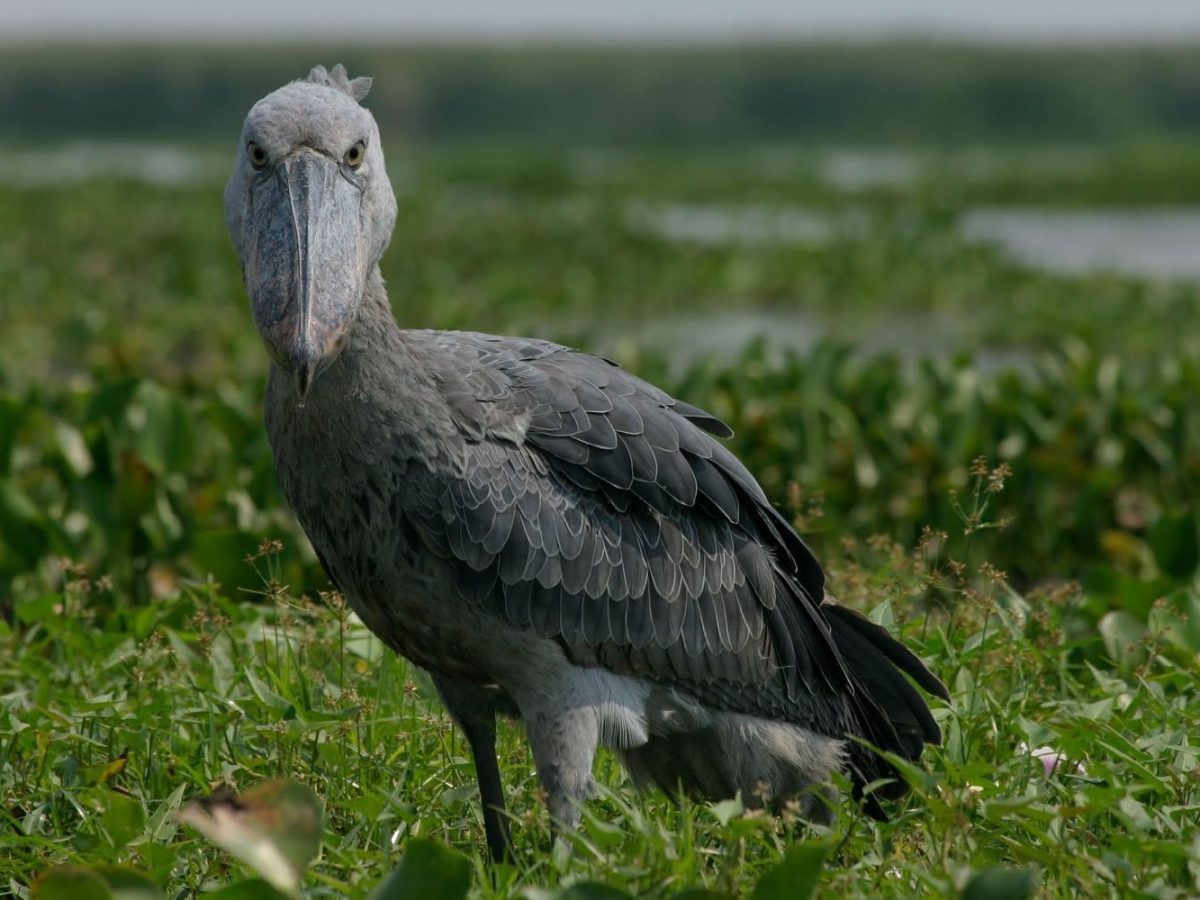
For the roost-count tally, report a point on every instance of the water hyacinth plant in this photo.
(167, 632)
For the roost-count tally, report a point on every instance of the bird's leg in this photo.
(564, 746)
(474, 709)
(818, 805)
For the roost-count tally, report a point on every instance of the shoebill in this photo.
(549, 536)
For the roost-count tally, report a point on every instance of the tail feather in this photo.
(893, 715)
(881, 640)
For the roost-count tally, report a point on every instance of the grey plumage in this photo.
(549, 535)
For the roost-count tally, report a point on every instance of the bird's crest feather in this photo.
(337, 78)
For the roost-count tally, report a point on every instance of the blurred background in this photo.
(882, 239)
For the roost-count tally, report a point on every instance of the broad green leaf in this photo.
(160, 522)
(1186, 606)
(253, 889)
(39, 609)
(22, 528)
(71, 883)
(458, 795)
(95, 883)
(124, 818)
(1135, 595)
(162, 428)
(128, 884)
(267, 696)
(110, 402)
(592, 890)
(12, 411)
(1000, 884)
(274, 827)
(1135, 813)
(726, 810)
(1122, 634)
(73, 449)
(161, 824)
(604, 834)
(1175, 540)
(428, 871)
(222, 552)
(795, 877)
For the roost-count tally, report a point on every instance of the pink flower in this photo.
(1051, 759)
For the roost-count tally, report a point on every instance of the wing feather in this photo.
(591, 507)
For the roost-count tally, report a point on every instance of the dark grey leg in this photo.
(474, 709)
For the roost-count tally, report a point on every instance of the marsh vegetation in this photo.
(996, 456)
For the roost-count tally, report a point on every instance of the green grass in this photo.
(135, 481)
(203, 688)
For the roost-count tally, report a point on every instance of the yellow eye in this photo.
(354, 156)
(258, 156)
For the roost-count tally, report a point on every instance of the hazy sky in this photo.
(258, 20)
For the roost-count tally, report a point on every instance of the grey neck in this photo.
(374, 328)
(382, 383)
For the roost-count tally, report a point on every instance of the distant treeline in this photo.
(862, 93)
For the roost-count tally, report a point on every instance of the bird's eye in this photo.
(354, 156)
(258, 156)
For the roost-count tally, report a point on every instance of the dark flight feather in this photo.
(616, 524)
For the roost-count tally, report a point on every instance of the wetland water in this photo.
(1156, 244)
(1151, 244)
(1141, 243)
(724, 335)
(1138, 243)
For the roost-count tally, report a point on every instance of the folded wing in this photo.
(592, 508)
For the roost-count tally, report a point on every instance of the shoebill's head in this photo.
(310, 210)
